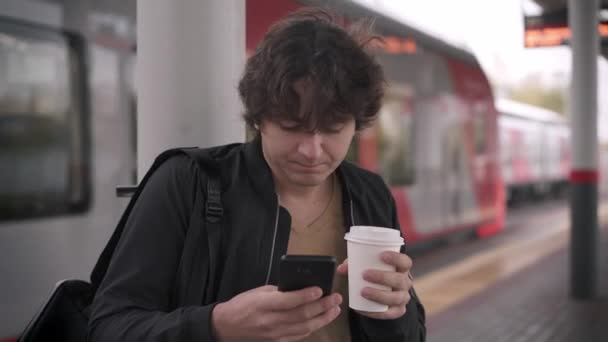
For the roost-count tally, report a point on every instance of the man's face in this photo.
(300, 157)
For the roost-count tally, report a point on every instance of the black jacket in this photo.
(140, 295)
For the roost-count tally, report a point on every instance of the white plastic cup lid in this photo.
(374, 235)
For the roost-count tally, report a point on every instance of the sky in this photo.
(493, 31)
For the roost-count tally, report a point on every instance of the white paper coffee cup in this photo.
(365, 245)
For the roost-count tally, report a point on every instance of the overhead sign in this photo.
(556, 36)
(551, 29)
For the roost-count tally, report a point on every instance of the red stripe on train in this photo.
(584, 176)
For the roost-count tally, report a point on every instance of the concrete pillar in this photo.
(583, 21)
(190, 55)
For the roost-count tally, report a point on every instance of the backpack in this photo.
(65, 315)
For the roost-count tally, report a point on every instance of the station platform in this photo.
(532, 304)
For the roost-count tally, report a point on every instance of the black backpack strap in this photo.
(213, 218)
(99, 271)
(200, 265)
(198, 272)
(213, 207)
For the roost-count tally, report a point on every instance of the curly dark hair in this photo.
(311, 44)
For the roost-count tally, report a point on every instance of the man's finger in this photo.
(343, 267)
(402, 262)
(266, 288)
(394, 280)
(311, 310)
(308, 326)
(393, 312)
(390, 298)
(281, 301)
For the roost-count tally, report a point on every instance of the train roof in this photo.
(392, 26)
(526, 111)
(41, 13)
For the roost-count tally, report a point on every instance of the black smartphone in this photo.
(300, 271)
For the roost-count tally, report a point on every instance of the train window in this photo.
(395, 141)
(43, 140)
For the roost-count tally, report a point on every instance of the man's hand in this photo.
(399, 281)
(266, 314)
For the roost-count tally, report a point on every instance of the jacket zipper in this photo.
(274, 240)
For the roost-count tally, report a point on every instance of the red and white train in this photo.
(535, 150)
(67, 136)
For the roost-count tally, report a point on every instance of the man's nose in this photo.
(311, 146)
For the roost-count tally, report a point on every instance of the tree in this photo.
(534, 91)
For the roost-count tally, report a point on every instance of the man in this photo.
(307, 89)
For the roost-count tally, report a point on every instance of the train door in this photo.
(433, 197)
(426, 193)
(398, 148)
(482, 198)
(460, 150)
(408, 139)
(453, 167)
(480, 182)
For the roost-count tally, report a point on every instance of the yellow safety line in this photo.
(452, 284)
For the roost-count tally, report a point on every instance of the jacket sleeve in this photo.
(133, 302)
(407, 328)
